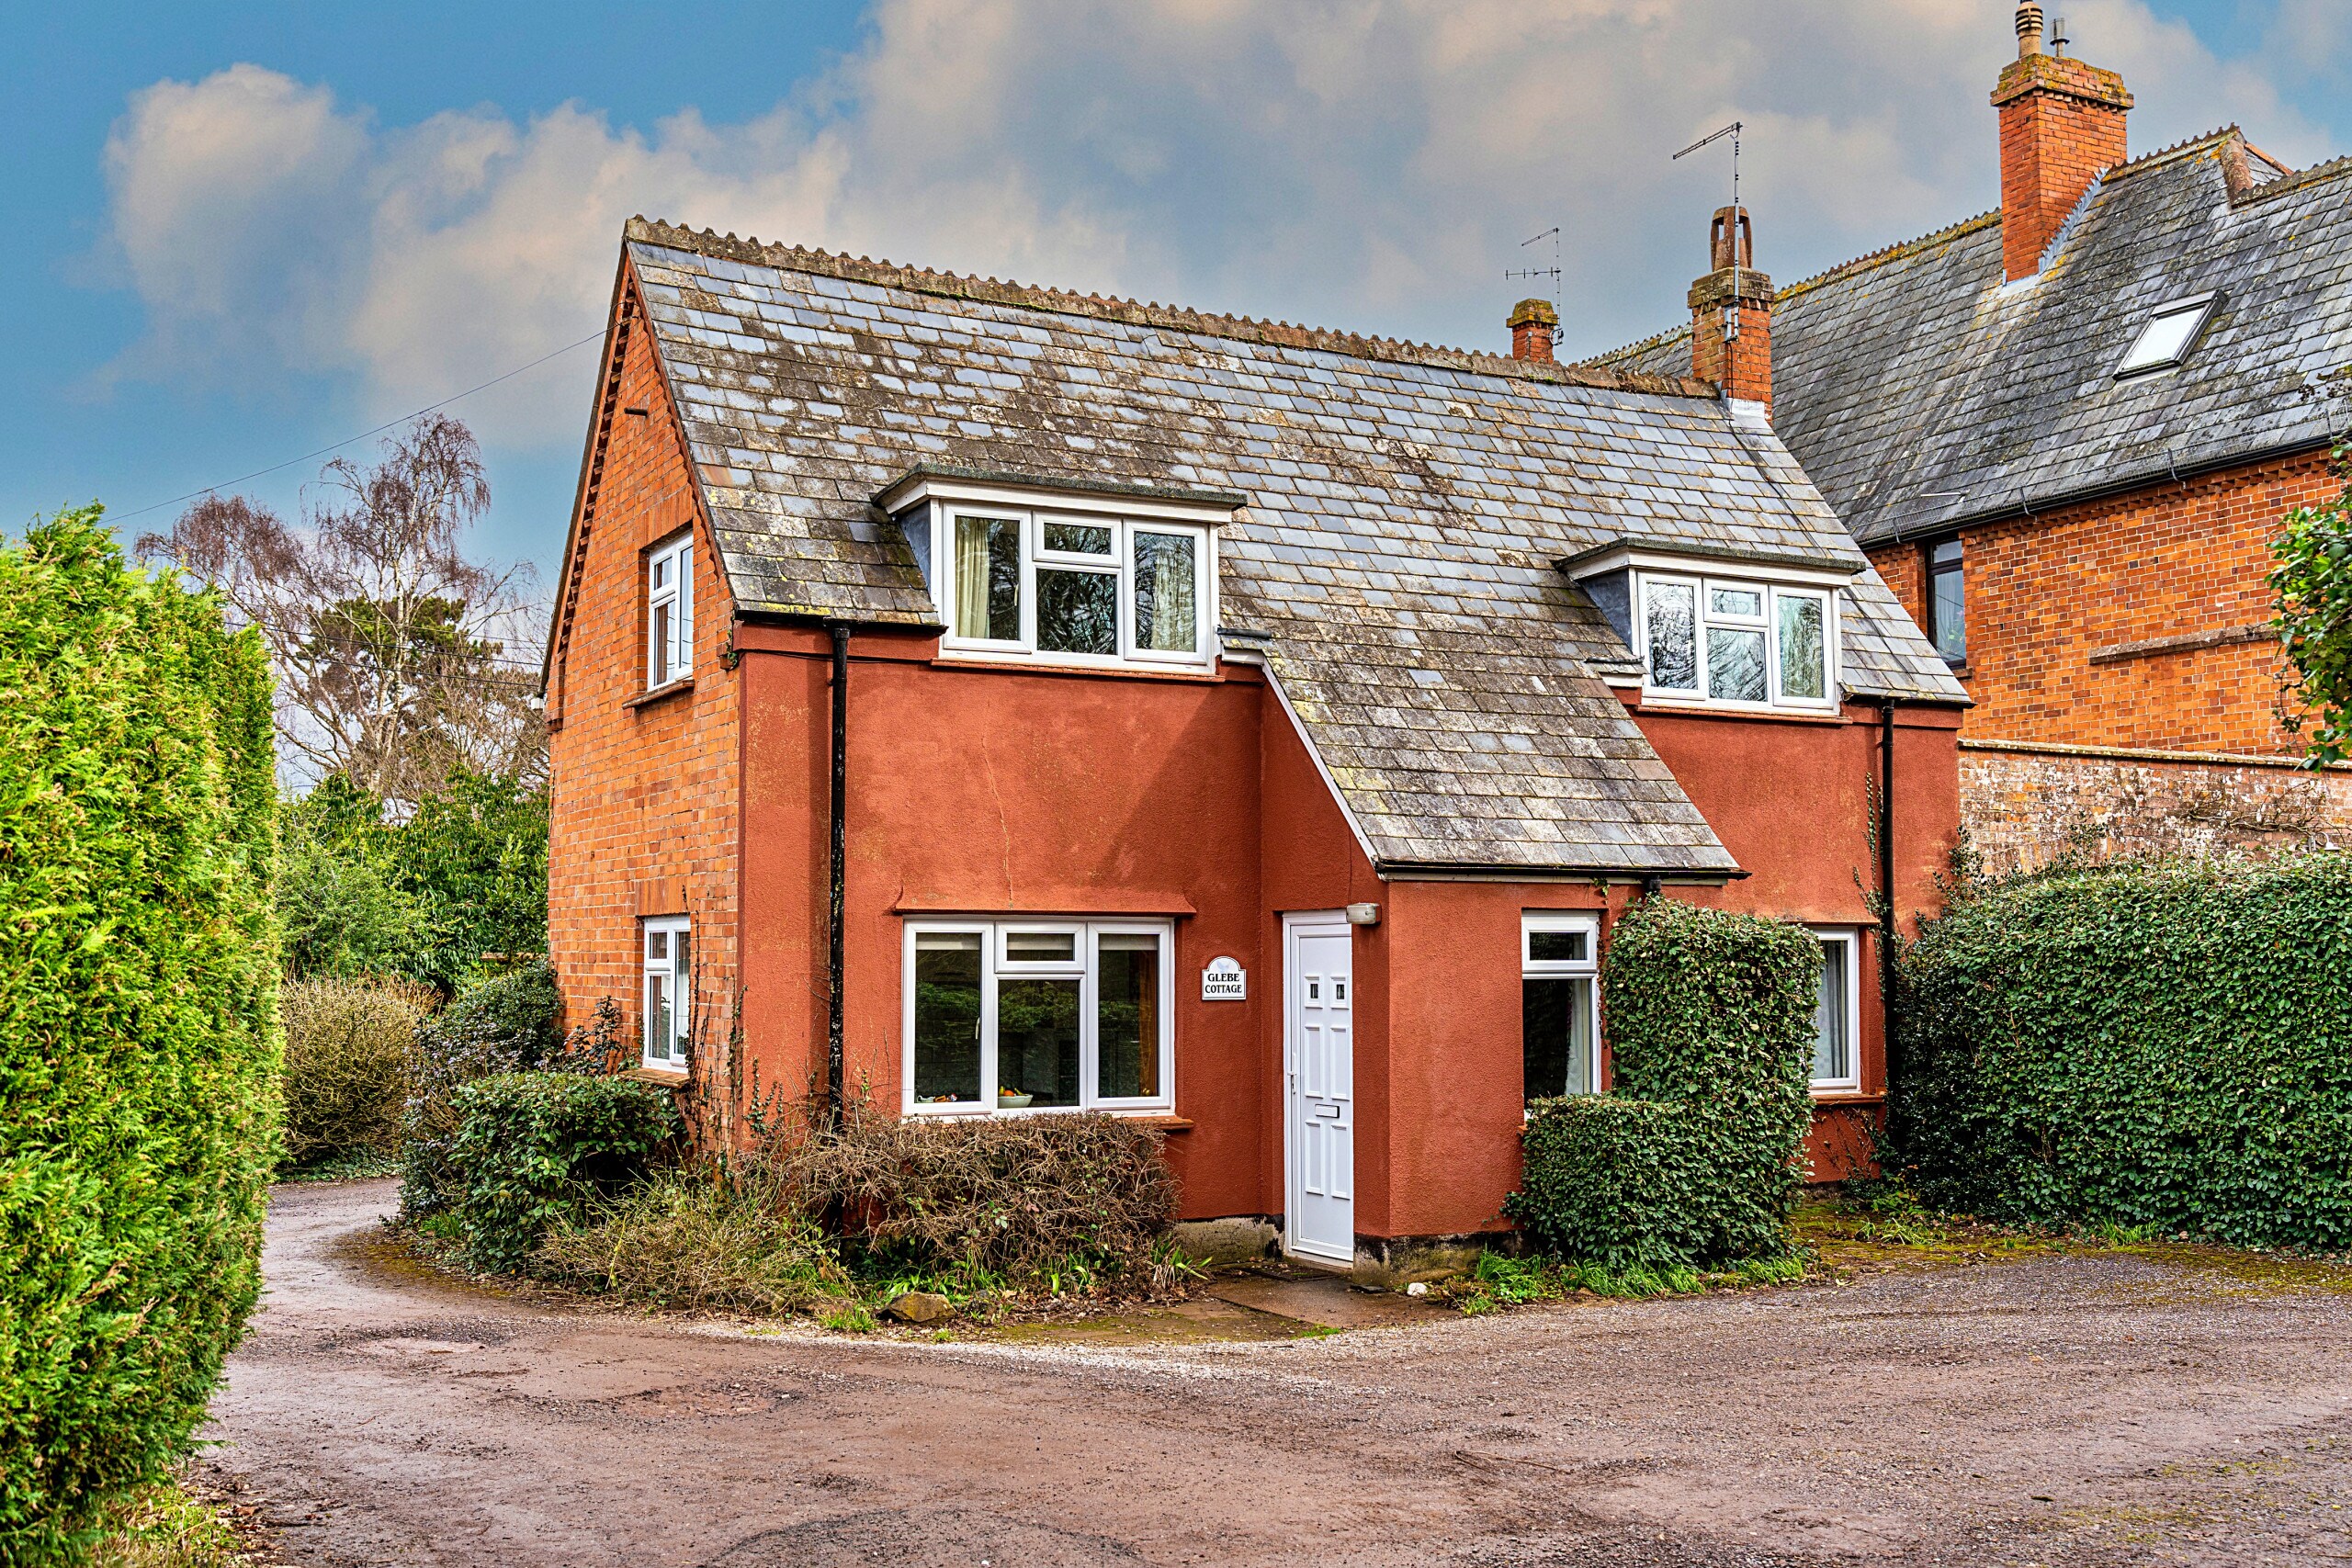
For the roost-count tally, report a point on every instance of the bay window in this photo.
(1560, 1008)
(1738, 643)
(669, 991)
(1023, 1016)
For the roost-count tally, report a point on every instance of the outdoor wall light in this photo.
(1363, 914)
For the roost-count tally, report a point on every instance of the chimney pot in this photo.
(1532, 324)
(1730, 313)
(2028, 28)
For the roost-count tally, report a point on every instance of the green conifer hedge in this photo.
(139, 1036)
(2166, 1046)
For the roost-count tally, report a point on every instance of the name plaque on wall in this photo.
(1225, 981)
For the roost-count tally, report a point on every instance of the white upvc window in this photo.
(1069, 587)
(1013, 1016)
(1837, 1013)
(669, 990)
(1730, 642)
(1559, 968)
(670, 610)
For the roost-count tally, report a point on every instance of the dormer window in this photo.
(2168, 335)
(1030, 573)
(1720, 627)
(670, 610)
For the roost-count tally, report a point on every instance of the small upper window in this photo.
(2170, 333)
(1948, 600)
(1082, 590)
(1753, 644)
(670, 610)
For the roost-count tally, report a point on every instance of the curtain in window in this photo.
(971, 577)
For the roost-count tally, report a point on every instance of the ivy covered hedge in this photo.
(1693, 1159)
(2153, 1045)
(138, 1036)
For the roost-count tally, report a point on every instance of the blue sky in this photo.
(248, 232)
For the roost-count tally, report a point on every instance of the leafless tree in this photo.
(397, 658)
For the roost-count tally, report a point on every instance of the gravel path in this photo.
(2088, 1408)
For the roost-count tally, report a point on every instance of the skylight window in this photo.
(2170, 333)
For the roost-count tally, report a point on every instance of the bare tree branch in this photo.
(389, 645)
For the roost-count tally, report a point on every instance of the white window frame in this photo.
(1704, 585)
(1850, 938)
(2199, 308)
(672, 659)
(675, 1052)
(1086, 968)
(1119, 563)
(1531, 967)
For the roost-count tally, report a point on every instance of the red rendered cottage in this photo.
(1244, 727)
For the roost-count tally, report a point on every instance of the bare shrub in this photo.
(347, 1043)
(1017, 1199)
(699, 1240)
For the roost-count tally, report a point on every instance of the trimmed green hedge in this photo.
(138, 1032)
(1694, 1156)
(2150, 1045)
(532, 1148)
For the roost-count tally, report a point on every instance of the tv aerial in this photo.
(1731, 312)
(1552, 272)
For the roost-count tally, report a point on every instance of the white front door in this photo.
(1320, 1050)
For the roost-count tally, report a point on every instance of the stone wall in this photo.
(2026, 805)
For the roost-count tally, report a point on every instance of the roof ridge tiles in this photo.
(2188, 147)
(1895, 252)
(1175, 318)
(2299, 179)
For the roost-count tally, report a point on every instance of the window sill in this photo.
(1167, 1122)
(660, 694)
(660, 1078)
(953, 659)
(1846, 1097)
(1634, 702)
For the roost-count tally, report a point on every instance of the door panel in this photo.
(1321, 1118)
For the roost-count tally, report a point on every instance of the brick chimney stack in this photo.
(2062, 122)
(1532, 324)
(1730, 313)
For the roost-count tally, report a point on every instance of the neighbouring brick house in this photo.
(2067, 432)
(1248, 728)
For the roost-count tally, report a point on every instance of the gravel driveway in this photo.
(2088, 1408)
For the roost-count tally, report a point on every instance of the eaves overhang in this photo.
(1626, 550)
(926, 482)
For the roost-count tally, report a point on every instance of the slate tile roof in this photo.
(1394, 563)
(1919, 392)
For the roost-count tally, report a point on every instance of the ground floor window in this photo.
(1837, 1053)
(668, 992)
(1559, 1014)
(1038, 1015)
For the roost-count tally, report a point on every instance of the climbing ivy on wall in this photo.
(2166, 1045)
(2311, 586)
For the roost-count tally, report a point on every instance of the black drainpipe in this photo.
(836, 876)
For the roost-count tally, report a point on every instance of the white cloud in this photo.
(1370, 164)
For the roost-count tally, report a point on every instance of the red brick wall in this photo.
(644, 813)
(2168, 561)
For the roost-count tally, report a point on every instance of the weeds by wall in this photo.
(139, 1026)
(2166, 1046)
(1693, 1157)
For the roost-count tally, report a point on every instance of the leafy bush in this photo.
(138, 1031)
(2310, 587)
(341, 916)
(533, 1149)
(2164, 1045)
(1694, 1156)
(1016, 1199)
(699, 1239)
(503, 1024)
(348, 1047)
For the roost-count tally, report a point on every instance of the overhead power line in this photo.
(308, 456)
